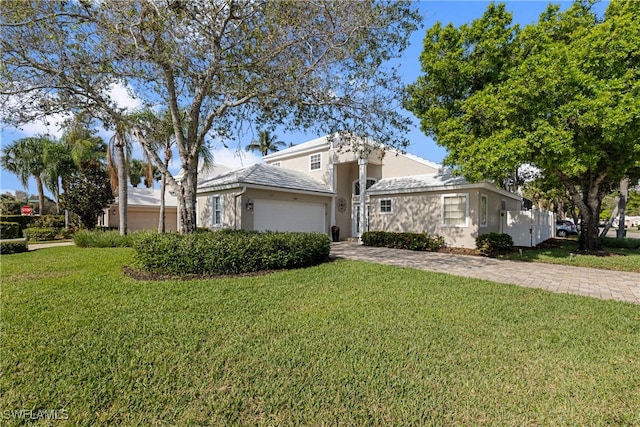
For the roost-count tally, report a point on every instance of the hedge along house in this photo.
(317, 184)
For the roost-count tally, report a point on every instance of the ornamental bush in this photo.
(412, 241)
(56, 221)
(493, 243)
(9, 230)
(626, 243)
(228, 252)
(13, 246)
(23, 220)
(101, 239)
(41, 233)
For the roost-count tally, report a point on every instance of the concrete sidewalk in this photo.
(36, 246)
(605, 284)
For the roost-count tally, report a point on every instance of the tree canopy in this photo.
(562, 94)
(318, 65)
(88, 193)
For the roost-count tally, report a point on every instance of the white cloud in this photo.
(121, 95)
(234, 158)
(51, 126)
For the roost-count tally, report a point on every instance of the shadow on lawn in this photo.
(558, 248)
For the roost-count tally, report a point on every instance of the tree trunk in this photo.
(187, 199)
(588, 199)
(123, 199)
(610, 222)
(163, 187)
(40, 194)
(622, 207)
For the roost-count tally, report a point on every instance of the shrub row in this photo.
(412, 241)
(41, 233)
(9, 230)
(228, 252)
(55, 221)
(13, 246)
(23, 220)
(627, 243)
(102, 239)
(494, 243)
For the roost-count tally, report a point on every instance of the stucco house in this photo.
(316, 185)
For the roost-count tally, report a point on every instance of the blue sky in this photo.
(456, 12)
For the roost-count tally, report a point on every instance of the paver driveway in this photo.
(605, 284)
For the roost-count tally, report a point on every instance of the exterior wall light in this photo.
(250, 205)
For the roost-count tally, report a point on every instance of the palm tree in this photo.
(25, 159)
(117, 154)
(265, 143)
(58, 162)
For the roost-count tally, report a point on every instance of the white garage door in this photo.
(288, 216)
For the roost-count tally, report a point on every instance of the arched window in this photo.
(356, 185)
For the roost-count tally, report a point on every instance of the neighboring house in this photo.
(143, 211)
(317, 184)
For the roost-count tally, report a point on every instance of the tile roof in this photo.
(415, 183)
(265, 175)
(148, 197)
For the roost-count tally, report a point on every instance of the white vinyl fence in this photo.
(529, 228)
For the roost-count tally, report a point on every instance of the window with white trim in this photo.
(315, 162)
(385, 206)
(216, 211)
(484, 210)
(455, 210)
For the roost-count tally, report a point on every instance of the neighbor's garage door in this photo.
(288, 216)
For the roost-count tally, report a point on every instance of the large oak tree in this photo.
(318, 65)
(562, 94)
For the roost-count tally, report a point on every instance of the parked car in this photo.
(565, 227)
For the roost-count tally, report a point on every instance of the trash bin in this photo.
(335, 233)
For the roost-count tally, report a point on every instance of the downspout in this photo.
(235, 207)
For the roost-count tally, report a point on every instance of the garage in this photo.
(276, 215)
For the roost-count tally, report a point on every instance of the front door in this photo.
(355, 217)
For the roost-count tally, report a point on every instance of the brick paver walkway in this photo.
(605, 284)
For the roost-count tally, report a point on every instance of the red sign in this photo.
(26, 210)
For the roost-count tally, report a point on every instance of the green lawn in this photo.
(612, 259)
(343, 343)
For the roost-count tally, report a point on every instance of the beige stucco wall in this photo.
(422, 212)
(235, 214)
(143, 218)
(302, 163)
(399, 165)
(230, 205)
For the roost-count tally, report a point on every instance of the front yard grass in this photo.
(343, 343)
(611, 259)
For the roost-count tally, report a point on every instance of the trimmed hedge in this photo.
(494, 243)
(626, 243)
(41, 233)
(101, 239)
(9, 230)
(412, 241)
(228, 252)
(23, 220)
(13, 246)
(55, 221)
